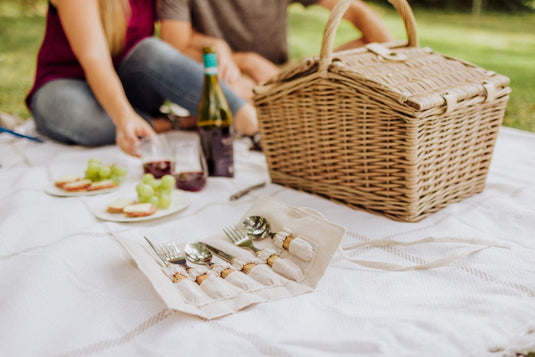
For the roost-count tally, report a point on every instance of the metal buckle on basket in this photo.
(385, 52)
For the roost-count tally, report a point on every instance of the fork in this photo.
(170, 254)
(240, 238)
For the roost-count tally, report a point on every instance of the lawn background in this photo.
(503, 43)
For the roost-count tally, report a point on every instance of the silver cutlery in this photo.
(170, 254)
(173, 255)
(284, 267)
(246, 268)
(240, 238)
(200, 253)
(165, 262)
(245, 191)
(257, 227)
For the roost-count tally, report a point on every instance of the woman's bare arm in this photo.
(81, 22)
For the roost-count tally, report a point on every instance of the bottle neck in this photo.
(210, 64)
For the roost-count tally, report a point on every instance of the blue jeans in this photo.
(67, 111)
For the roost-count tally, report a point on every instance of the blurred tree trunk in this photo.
(476, 7)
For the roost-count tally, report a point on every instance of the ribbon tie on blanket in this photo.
(434, 264)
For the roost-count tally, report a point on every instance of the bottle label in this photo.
(211, 71)
(217, 144)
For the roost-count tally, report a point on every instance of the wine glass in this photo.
(156, 156)
(190, 169)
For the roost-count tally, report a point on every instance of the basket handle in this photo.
(403, 8)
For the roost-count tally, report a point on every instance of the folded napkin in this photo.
(287, 275)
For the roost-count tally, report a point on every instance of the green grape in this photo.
(165, 190)
(155, 184)
(165, 201)
(89, 174)
(167, 182)
(92, 171)
(119, 171)
(139, 187)
(104, 172)
(155, 200)
(93, 161)
(115, 179)
(144, 191)
(144, 199)
(148, 178)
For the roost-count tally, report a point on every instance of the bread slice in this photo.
(80, 185)
(139, 210)
(65, 180)
(119, 204)
(101, 185)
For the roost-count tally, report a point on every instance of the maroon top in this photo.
(56, 58)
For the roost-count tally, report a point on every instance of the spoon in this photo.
(198, 253)
(257, 228)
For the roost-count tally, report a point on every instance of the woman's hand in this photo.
(129, 130)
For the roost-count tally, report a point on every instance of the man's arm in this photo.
(365, 20)
(181, 35)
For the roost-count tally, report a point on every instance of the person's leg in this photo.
(67, 111)
(154, 71)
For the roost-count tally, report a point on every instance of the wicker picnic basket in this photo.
(393, 128)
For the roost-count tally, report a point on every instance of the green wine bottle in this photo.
(214, 121)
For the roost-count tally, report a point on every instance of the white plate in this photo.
(53, 190)
(179, 201)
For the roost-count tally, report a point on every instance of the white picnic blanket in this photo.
(68, 287)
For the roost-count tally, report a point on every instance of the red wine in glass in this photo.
(190, 181)
(157, 168)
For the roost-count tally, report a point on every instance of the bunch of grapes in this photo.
(157, 192)
(97, 171)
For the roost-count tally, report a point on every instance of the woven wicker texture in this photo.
(394, 128)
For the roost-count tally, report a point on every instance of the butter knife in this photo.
(245, 191)
(165, 262)
(229, 258)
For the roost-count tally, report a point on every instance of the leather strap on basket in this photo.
(335, 17)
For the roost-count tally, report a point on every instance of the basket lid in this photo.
(422, 78)
(402, 71)
(419, 77)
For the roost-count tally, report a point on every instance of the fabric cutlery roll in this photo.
(289, 264)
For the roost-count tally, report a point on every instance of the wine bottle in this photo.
(214, 121)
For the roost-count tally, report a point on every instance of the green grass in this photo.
(21, 32)
(499, 42)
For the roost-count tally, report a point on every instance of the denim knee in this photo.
(66, 110)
